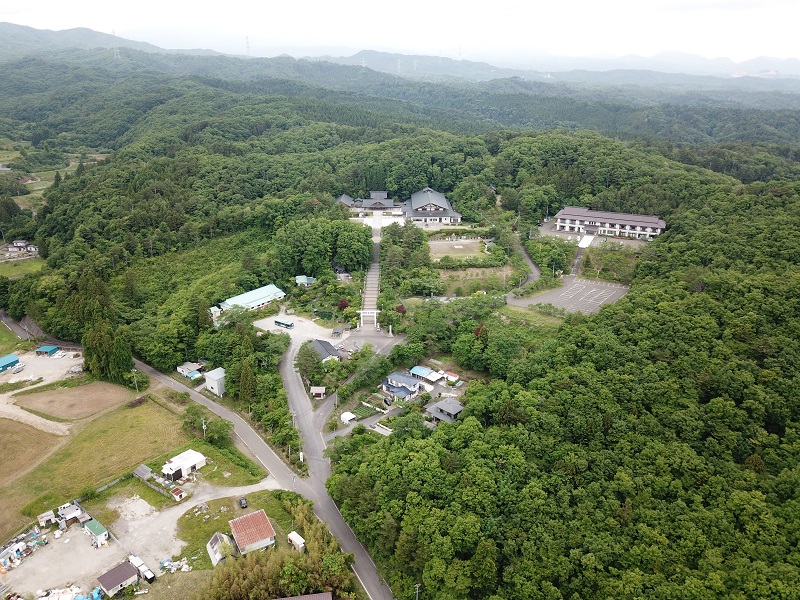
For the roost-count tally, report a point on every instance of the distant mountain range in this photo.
(20, 39)
(664, 68)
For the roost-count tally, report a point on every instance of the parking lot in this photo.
(579, 295)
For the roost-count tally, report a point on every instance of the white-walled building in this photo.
(215, 381)
(254, 299)
(580, 220)
(183, 464)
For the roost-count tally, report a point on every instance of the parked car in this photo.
(18, 368)
(243, 502)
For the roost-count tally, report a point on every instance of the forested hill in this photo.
(650, 451)
(49, 88)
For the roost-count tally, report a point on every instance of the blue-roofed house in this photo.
(402, 386)
(8, 361)
(254, 299)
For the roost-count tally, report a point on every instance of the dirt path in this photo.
(49, 370)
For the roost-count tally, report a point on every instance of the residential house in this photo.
(219, 547)
(215, 381)
(446, 410)
(324, 350)
(430, 206)
(402, 386)
(252, 532)
(121, 576)
(582, 220)
(183, 464)
(304, 280)
(254, 299)
(190, 370)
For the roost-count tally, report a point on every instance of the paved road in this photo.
(312, 488)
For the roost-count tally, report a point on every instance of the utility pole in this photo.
(416, 589)
(135, 381)
(204, 429)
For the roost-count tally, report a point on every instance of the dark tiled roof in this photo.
(584, 214)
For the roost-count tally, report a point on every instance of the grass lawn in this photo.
(178, 586)
(99, 508)
(195, 527)
(104, 449)
(240, 470)
(536, 319)
(463, 282)
(17, 268)
(8, 341)
(457, 249)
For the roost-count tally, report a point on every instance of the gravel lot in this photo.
(49, 369)
(141, 530)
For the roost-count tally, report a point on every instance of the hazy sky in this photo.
(508, 29)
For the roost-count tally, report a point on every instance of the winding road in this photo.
(311, 424)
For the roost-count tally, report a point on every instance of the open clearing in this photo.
(22, 448)
(462, 282)
(105, 448)
(76, 403)
(459, 248)
(17, 268)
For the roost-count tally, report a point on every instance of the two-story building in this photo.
(580, 220)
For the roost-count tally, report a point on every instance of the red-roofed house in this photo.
(252, 532)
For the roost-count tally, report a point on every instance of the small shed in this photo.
(317, 392)
(121, 576)
(215, 381)
(95, 530)
(187, 368)
(46, 350)
(46, 519)
(348, 417)
(178, 494)
(296, 540)
(219, 547)
(143, 472)
(183, 464)
(252, 532)
(8, 361)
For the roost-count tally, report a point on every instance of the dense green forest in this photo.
(648, 451)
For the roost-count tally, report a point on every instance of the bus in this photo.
(284, 323)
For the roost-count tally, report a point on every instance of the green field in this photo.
(8, 341)
(106, 448)
(17, 268)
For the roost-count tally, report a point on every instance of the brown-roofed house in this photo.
(252, 532)
(123, 575)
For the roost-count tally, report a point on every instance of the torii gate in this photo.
(369, 313)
